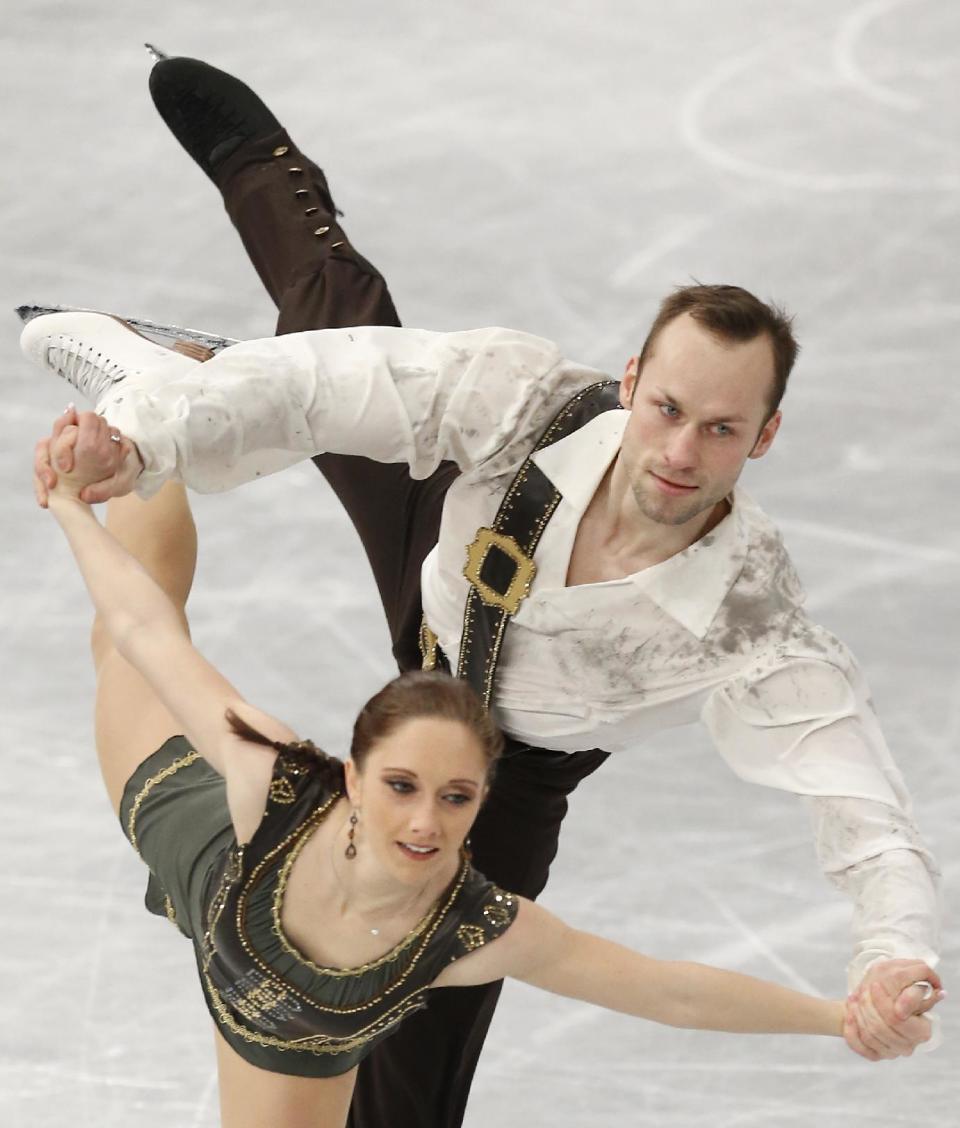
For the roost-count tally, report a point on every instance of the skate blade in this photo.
(162, 334)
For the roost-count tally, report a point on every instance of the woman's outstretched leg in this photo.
(131, 721)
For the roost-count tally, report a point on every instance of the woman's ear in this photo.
(351, 779)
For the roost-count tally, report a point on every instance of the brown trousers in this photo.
(277, 200)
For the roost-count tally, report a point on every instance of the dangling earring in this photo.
(351, 850)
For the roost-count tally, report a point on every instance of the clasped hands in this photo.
(883, 1016)
(111, 462)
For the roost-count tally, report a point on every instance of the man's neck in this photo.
(615, 539)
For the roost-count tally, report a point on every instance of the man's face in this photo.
(696, 415)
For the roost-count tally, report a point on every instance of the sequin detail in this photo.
(151, 783)
(471, 936)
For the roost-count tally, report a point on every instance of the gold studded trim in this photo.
(315, 1043)
(483, 665)
(151, 783)
(334, 972)
(433, 921)
(281, 791)
(471, 936)
(428, 646)
(232, 868)
(498, 915)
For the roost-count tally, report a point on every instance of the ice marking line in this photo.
(906, 237)
(845, 60)
(923, 553)
(706, 92)
(94, 977)
(756, 942)
(204, 1101)
(678, 236)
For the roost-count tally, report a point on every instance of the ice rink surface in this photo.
(557, 168)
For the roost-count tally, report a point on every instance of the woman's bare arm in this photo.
(543, 951)
(149, 632)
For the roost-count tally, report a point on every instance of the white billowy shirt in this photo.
(716, 633)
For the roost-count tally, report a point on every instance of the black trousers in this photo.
(278, 202)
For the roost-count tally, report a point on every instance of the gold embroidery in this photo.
(428, 646)
(281, 790)
(524, 570)
(232, 869)
(170, 910)
(316, 1043)
(333, 972)
(471, 936)
(497, 915)
(151, 783)
(439, 915)
(261, 1000)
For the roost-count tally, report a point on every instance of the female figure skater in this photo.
(324, 899)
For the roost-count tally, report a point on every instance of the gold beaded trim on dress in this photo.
(431, 923)
(151, 783)
(316, 1043)
(471, 936)
(334, 972)
(426, 937)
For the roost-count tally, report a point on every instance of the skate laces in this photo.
(83, 366)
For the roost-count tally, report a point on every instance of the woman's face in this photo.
(418, 794)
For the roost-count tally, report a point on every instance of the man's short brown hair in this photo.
(732, 314)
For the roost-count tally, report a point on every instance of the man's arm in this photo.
(896, 912)
(392, 395)
(874, 854)
(806, 725)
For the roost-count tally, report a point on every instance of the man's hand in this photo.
(883, 1015)
(111, 462)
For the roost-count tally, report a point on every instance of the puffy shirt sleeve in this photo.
(803, 722)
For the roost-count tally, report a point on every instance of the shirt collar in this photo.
(690, 586)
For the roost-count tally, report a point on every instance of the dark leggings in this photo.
(277, 200)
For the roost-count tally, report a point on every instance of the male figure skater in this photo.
(625, 586)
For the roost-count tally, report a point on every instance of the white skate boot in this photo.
(96, 352)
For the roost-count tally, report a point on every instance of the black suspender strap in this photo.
(500, 565)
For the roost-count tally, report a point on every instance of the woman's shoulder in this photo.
(482, 912)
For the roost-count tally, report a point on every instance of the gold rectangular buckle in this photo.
(524, 570)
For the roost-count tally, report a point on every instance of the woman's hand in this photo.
(67, 483)
(95, 459)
